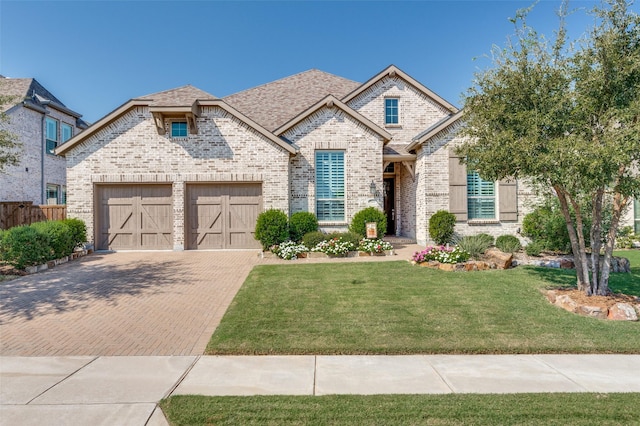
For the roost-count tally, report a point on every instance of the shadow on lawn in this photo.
(75, 284)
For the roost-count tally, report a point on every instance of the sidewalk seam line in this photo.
(61, 381)
(181, 378)
(445, 381)
(535, 356)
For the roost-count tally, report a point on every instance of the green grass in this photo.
(451, 409)
(397, 308)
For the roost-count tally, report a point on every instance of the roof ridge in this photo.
(286, 78)
(185, 86)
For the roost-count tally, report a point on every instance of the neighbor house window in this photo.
(481, 197)
(178, 129)
(51, 134)
(330, 186)
(52, 194)
(636, 217)
(391, 111)
(63, 194)
(67, 132)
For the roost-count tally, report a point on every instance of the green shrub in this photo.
(60, 239)
(302, 223)
(508, 243)
(311, 239)
(370, 214)
(546, 226)
(24, 246)
(272, 228)
(78, 231)
(489, 239)
(475, 245)
(349, 237)
(533, 249)
(441, 226)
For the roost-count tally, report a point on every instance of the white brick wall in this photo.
(18, 184)
(332, 129)
(131, 150)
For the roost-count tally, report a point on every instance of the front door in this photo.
(390, 204)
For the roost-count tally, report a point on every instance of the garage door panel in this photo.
(222, 216)
(134, 217)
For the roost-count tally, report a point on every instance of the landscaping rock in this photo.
(566, 303)
(430, 264)
(447, 267)
(622, 312)
(551, 295)
(566, 263)
(593, 311)
(501, 259)
(470, 266)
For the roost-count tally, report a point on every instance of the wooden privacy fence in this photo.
(25, 213)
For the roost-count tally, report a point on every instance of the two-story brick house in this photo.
(183, 169)
(41, 122)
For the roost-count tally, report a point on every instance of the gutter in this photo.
(42, 154)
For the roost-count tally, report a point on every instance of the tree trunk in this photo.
(596, 242)
(579, 253)
(619, 203)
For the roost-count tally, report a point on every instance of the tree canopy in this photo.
(566, 117)
(9, 143)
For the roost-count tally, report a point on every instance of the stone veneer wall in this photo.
(332, 129)
(130, 150)
(433, 192)
(18, 184)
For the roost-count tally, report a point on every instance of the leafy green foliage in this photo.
(272, 228)
(534, 248)
(312, 239)
(546, 226)
(508, 243)
(370, 214)
(349, 237)
(78, 231)
(441, 226)
(302, 223)
(9, 142)
(24, 246)
(475, 245)
(61, 241)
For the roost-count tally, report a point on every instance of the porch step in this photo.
(399, 240)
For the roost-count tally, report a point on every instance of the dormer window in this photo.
(391, 111)
(178, 129)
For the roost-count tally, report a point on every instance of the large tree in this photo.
(9, 143)
(565, 116)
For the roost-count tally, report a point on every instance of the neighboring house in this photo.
(41, 122)
(182, 169)
(632, 216)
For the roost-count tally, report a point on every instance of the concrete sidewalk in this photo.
(124, 390)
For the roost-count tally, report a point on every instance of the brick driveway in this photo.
(135, 303)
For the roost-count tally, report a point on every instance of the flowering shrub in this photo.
(289, 250)
(441, 254)
(374, 246)
(334, 246)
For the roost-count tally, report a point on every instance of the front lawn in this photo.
(397, 308)
(452, 409)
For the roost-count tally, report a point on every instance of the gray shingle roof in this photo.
(25, 89)
(180, 96)
(273, 104)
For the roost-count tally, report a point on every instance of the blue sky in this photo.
(96, 55)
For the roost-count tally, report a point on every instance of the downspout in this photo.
(43, 153)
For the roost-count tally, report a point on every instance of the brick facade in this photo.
(25, 181)
(130, 150)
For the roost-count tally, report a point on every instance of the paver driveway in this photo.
(125, 303)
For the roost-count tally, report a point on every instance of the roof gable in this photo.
(432, 131)
(180, 96)
(276, 103)
(393, 71)
(330, 102)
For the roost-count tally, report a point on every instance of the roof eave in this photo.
(392, 71)
(330, 101)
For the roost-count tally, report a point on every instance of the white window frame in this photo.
(49, 141)
(56, 188)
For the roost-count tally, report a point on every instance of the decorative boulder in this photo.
(593, 311)
(622, 312)
(501, 259)
(567, 303)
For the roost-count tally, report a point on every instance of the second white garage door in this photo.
(222, 216)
